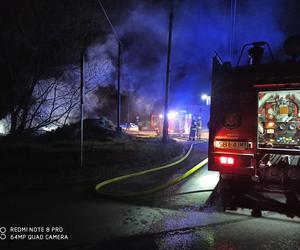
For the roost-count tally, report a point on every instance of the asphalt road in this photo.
(172, 219)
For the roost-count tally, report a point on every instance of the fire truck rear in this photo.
(255, 119)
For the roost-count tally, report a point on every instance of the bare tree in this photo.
(37, 39)
(54, 102)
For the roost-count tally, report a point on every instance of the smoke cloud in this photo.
(199, 29)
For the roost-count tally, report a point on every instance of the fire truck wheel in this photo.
(228, 194)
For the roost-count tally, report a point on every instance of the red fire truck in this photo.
(255, 117)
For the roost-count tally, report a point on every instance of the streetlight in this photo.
(206, 98)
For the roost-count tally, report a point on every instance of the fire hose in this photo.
(172, 182)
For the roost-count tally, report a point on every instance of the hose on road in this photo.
(192, 170)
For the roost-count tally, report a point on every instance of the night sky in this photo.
(199, 29)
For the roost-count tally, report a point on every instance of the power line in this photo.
(108, 20)
(119, 67)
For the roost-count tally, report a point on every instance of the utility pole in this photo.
(166, 123)
(232, 28)
(81, 105)
(119, 90)
(128, 116)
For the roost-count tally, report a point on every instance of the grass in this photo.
(65, 154)
(26, 164)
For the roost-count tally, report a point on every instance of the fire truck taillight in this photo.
(224, 160)
(229, 161)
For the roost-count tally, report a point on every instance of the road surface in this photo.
(172, 219)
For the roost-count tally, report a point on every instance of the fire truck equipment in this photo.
(255, 118)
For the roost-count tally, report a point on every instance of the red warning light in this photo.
(230, 161)
(224, 160)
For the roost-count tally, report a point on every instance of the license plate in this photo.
(238, 145)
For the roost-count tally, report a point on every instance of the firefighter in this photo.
(199, 127)
(193, 129)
